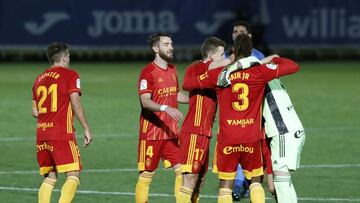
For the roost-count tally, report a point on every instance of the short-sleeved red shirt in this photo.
(202, 103)
(51, 95)
(163, 86)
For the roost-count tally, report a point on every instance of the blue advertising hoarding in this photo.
(126, 23)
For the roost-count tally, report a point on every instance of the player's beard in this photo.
(167, 57)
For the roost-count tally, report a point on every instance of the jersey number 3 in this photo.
(44, 92)
(243, 96)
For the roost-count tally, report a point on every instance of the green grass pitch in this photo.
(326, 96)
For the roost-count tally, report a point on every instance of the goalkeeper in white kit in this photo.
(284, 127)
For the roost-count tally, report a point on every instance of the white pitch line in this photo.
(110, 170)
(9, 139)
(330, 166)
(328, 199)
(94, 192)
(96, 136)
(84, 171)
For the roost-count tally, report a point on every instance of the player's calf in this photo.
(225, 195)
(46, 189)
(178, 179)
(285, 191)
(257, 194)
(143, 185)
(68, 190)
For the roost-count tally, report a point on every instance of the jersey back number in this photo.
(243, 91)
(47, 93)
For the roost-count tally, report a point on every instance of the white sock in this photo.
(285, 190)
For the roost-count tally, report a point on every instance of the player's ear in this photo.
(155, 49)
(63, 60)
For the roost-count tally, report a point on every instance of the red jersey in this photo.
(163, 86)
(51, 95)
(202, 103)
(240, 104)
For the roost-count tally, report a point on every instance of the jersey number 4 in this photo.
(243, 96)
(44, 92)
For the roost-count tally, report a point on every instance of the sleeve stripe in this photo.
(69, 119)
(198, 111)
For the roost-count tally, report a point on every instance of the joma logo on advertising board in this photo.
(132, 22)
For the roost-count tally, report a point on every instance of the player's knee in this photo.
(73, 173)
(255, 185)
(278, 179)
(148, 175)
(177, 168)
(282, 175)
(257, 179)
(50, 181)
(73, 178)
(189, 180)
(226, 184)
(52, 175)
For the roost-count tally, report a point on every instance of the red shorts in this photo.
(150, 152)
(194, 153)
(248, 155)
(58, 155)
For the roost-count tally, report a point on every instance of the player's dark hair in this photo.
(155, 38)
(243, 24)
(242, 46)
(55, 51)
(210, 45)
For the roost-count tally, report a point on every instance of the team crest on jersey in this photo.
(143, 84)
(271, 66)
(196, 165)
(160, 80)
(78, 83)
(203, 76)
(148, 162)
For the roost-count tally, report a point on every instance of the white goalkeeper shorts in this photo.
(286, 150)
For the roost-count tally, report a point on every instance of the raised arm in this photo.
(285, 66)
(189, 76)
(80, 114)
(206, 80)
(268, 59)
(220, 63)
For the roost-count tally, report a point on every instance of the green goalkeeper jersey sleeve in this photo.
(278, 112)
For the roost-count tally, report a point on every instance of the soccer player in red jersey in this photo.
(240, 134)
(56, 97)
(158, 134)
(196, 130)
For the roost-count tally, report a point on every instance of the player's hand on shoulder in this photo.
(223, 78)
(269, 59)
(174, 113)
(244, 63)
(248, 62)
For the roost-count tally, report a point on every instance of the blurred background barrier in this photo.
(118, 30)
